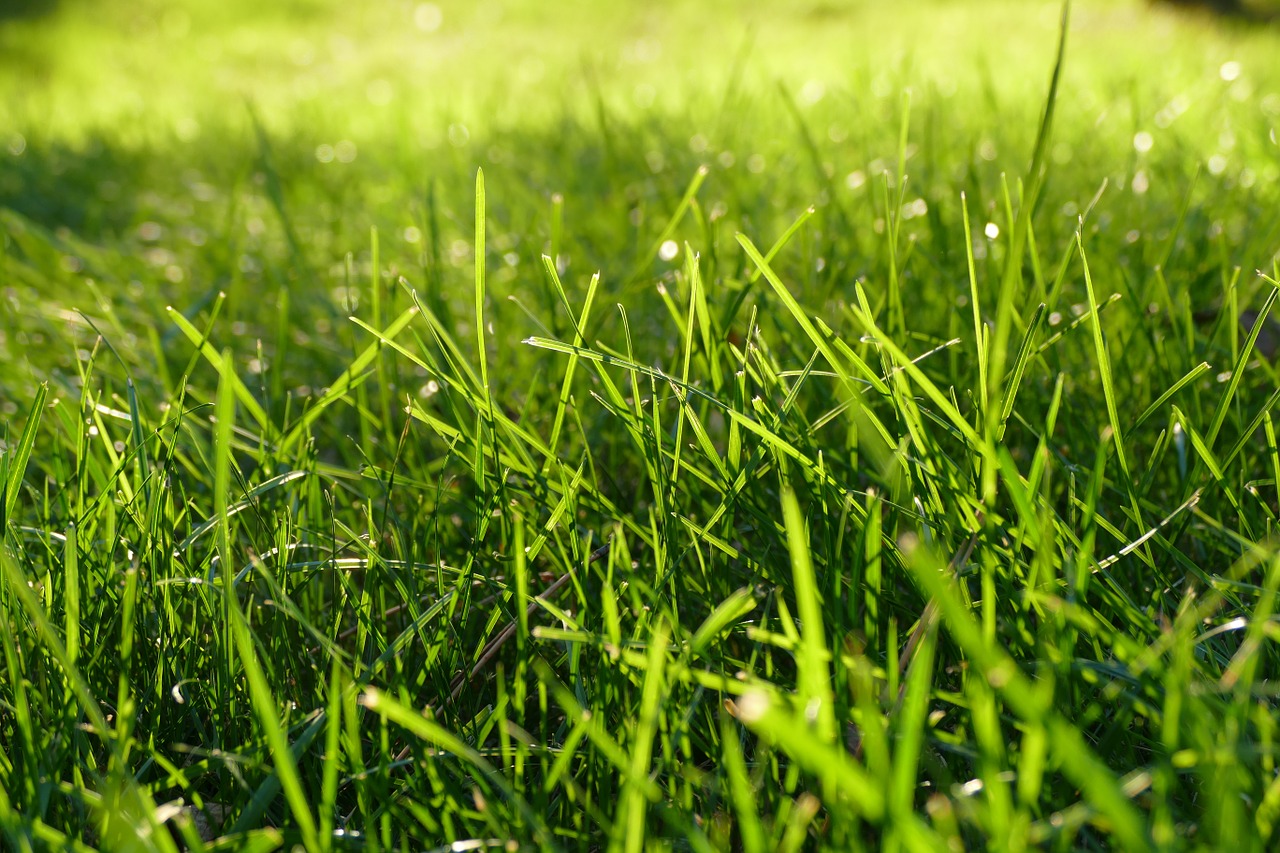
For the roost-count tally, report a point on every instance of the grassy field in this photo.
(747, 426)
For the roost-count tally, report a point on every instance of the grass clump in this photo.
(729, 457)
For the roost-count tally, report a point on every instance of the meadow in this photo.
(723, 426)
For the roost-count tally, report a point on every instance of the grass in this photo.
(469, 426)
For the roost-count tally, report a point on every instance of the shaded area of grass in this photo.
(1258, 11)
(27, 8)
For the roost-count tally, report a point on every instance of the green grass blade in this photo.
(727, 613)
(1237, 371)
(18, 458)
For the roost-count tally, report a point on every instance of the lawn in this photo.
(722, 426)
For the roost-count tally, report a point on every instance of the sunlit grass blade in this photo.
(355, 374)
(1237, 371)
(263, 699)
(634, 802)
(791, 733)
(1020, 366)
(430, 732)
(727, 612)
(993, 664)
(17, 459)
(647, 258)
(1191, 376)
(814, 678)
(802, 319)
(215, 359)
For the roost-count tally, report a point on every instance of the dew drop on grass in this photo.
(1229, 70)
(1143, 142)
(531, 70)
(752, 706)
(380, 92)
(668, 250)
(459, 252)
(428, 17)
(186, 128)
(643, 96)
(992, 231)
(913, 209)
(812, 92)
(301, 52)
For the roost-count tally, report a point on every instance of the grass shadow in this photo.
(1236, 10)
(16, 9)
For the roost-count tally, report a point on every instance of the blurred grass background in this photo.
(128, 130)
